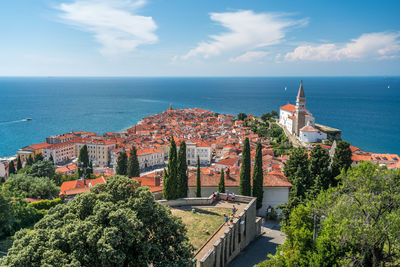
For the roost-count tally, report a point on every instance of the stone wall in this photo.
(237, 237)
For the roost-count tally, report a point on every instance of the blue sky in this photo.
(199, 38)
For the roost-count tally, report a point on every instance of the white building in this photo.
(61, 152)
(201, 149)
(150, 158)
(311, 135)
(98, 150)
(3, 169)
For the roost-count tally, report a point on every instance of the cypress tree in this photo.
(198, 178)
(90, 169)
(29, 161)
(182, 171)
(171, 180)
(11, 168)
(245, 169)
(51, 158)
(19, 163)
(122, 163)
(133, 164)
(83, 161)
(221, 184)
(258, 177)
(165, 184)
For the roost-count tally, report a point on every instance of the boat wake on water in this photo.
(16, 121)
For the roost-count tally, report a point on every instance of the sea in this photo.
(366, 109)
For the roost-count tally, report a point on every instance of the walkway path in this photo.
(258, 250)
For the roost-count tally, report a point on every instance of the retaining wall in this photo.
(238, 236)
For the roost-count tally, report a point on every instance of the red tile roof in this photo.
(289, 107)
(40, 146)
(80, 186)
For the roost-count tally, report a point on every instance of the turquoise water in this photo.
(366, 109)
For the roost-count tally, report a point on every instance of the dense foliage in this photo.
(242, 116)
(22, 185)
(354, 224)
(116, 224)
(245, 169)
(43, 168)
(341, 159)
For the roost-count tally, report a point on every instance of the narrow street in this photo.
(259, 249)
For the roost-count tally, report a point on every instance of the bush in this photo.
(45, 204)
(271, 214)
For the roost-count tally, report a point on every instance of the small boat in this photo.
(28, 119)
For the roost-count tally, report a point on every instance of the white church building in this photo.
(299, 121)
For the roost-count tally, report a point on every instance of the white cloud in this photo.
(380, 45)
(250, 56)
(113, 22)
(246, 31)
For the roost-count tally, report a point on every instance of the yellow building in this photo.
(32, 150)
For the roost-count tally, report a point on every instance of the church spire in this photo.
(301, 90)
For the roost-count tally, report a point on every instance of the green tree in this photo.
(182, 171)
(44, 168)
(258, 177)
(266, 116)
(354, 224)
(274, 114)
(22, 185)
(11, 168)
(51, 158)
(319, 168)
(38, 157)
(115, 224)
(341, 159)
(83, 162)
(242, 116)
(90, 168)
(133, 163)
(29, 161)
(221, 184)
(19, 163)
(122, 163)
(297, 172)
(198, 178)
(170, 190)
(245, 169)
(4, 215)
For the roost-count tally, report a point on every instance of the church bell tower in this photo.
(300, 120)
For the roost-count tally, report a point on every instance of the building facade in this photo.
(61, 152)
(99, 151)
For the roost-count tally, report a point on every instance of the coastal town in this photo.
(219, 151)
(216, 139)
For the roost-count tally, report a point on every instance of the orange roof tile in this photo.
(289, 107)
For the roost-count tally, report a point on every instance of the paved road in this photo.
(258, 250)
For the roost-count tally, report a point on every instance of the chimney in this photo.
(157, 180)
